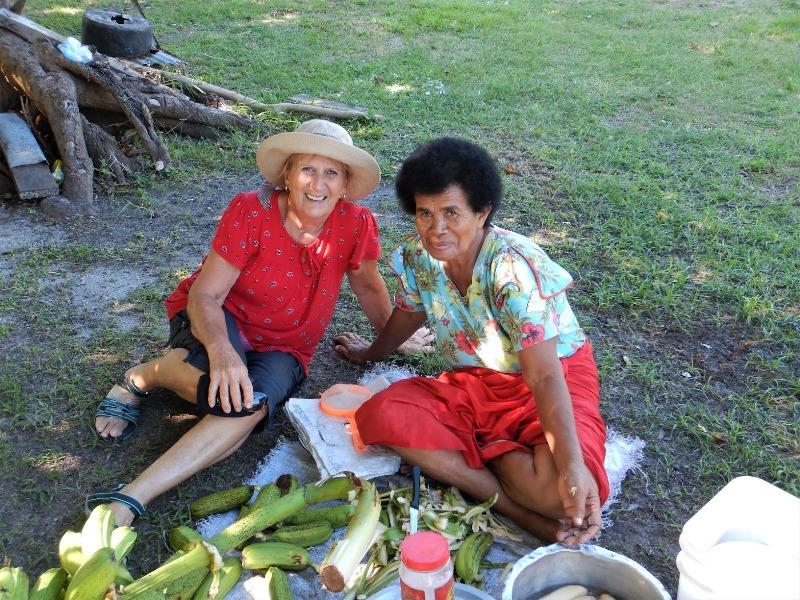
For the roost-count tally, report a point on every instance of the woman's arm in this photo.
(577, 488)
(400, 326)
(228, 374)
(370, 289)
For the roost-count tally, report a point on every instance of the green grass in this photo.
(655, 155)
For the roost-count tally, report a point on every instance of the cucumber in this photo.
(222, 501)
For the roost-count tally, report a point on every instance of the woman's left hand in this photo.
(421, 341)
(581, 500)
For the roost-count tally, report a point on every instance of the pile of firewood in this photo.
(84, 114)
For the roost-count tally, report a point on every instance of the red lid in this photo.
(424, 551)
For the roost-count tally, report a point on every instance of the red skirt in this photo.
(484, 413)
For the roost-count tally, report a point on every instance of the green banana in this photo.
(337, 516)
(263, 555)
(183, 538)
(306, 535)
(49, 584)
(97, 529)
(266, 495)
(228, 576)
(185, 587)
(278, 584)
(69, 552)
(334, 488)
(122, 540)
(94, 578)
(470, 554)
(13, 584)
(287, 483)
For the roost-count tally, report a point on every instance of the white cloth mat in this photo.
(333, 452)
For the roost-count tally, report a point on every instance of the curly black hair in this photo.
(440, 163)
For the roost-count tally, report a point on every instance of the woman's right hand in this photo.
(227, 373)
(228, 378)
(422, 340)
(351, 346)
(581, 501)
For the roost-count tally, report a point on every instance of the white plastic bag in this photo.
(73, 50)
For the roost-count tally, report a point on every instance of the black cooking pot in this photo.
(116, 33)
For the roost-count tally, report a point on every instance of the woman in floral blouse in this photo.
(519, 413)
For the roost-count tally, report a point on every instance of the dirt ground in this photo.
(112, 292)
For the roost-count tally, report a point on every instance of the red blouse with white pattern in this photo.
(285, 294)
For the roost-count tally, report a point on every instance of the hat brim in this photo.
(365, 175)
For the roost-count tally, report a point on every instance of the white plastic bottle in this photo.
(426, 571)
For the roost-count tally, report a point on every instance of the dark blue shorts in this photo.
(276, 374)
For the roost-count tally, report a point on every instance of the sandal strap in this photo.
(109, 407)
(135, 389)
(137, 508)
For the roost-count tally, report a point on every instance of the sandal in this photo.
(92, 500)
(110, 407)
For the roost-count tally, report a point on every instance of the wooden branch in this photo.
(32, 31)
(319, 111)
(309, 105)
(194, 130)
(130, 101)
(171, 107)
(103, 149)
(54, 94)
(205, 87)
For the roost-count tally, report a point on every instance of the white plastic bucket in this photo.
(744, 544)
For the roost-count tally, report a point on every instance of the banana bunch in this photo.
(13, 584)
(92, 563)
(470, 554)
(92, 560)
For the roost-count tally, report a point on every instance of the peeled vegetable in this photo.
(568, 592)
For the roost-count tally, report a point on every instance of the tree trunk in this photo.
(59, 89)
(53, 93)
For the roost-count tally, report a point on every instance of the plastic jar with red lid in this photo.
(426, 571)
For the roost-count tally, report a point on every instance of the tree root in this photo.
(103, 149)
(53, 93)
(60, 89)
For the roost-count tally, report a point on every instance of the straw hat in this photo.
(322, 137)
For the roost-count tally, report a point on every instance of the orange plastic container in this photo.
(343, 400)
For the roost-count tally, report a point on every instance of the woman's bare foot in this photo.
(112, 427)
(122, 514)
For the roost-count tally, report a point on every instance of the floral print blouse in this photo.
(517, 298)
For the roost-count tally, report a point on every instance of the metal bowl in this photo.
(551, 567)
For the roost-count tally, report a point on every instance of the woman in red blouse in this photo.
(244, 326)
